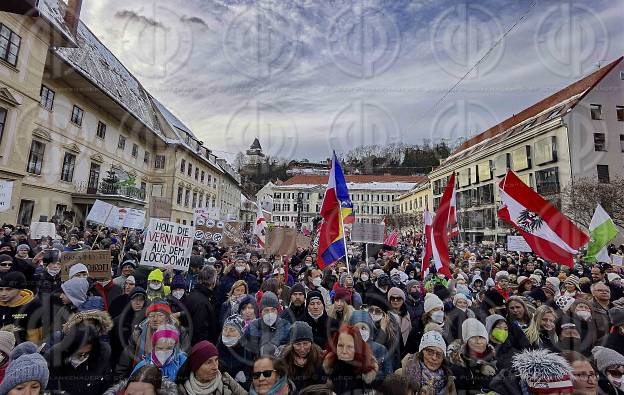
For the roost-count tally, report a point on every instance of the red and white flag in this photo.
(260, 227)
(548, 232)
(392, 239)
(453, 225)
(428, 237)
(441, 230)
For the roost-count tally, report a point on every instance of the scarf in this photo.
(281, 387)
(195, 387)
(435, 381)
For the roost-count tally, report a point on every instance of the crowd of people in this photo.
(239, 322)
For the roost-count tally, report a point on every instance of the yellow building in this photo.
(417, 199)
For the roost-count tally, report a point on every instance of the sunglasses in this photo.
(265, 373)
(395, 298)
(6, 264)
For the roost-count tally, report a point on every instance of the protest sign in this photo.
(517, 243)
(168, 243)
(203, 214)
(101, 211)
(617, 260)
(232, 234)
(6, 191)
(98, 263)
(303, 241)
(367, 233)
(39, 230)
(210, 231)
(160, 207)
(116, 217)
(281, 241)
(134, 219)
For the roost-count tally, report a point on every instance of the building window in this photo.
(180, 193)
(94, 178)
(9, 45)
(159, 163)
(194, 199)
(547, 181)
(146, 157)
(3, 115)
(25, 212)
(143, 187)
(121, 144)
(196, 173)
(596, 111)
(135, 150)
(203, 176)
(603, 173)
(187, 197)
(600, 142)
(76, 116)
(619, 110)
(35, 159)
(47, 98)
(101, 130)
(182, 166)
(200, 201)
(190, 169)
(69, 163)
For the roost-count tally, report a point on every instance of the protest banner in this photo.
(303, 241)
(210, 231)
(98, 263)
(160, 207)
(367, 233)
(6, 191)
(134, 219)
(281, 241)
(517, 243)
(168, 243)
(101, 211)
(39, 230)
(232, 234)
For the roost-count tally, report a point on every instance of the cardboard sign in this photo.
(101, 212)
(517, 243)
(97, 261)
(6, 191)
(168, 243)
(134, 219)
(160, 207)
(232, 234)
(303, 241)
(210, 231)
(617, 260)
(281, 241)
(39, 230)
(367, 233)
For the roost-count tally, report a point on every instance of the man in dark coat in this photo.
(240, 271)
(296, 310)
(200, 304)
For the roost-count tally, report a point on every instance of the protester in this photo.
(7, 343)
(270, 378)
(303, 358)
(147, 380)
(27, 372)
(166, 354)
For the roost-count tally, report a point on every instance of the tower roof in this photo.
(256, 145)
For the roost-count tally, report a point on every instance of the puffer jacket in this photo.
(171, 366)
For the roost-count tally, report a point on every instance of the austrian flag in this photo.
(549, 233)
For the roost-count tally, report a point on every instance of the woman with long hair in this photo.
(541, 331)
(303, 358)
(148, 380)
(230, 306)
(271, 378)
(518, 312)
(350, 364)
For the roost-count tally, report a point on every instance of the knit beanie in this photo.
(461, 296)
(362, 317)
(564, 302)
(410, 284)
(491, 321)
(166, 332)
(130, 280)
(472, 327)
(544, 372)
(342, 294)
(432, 339)
(502, 275)
(431, 302)
(613, 276)
(298, 287)
(200, 353)
(5, 258)
(156, 275)
(26, 364)
(235, 321)
(574, 280)
(246, 300)
(520, 279)
(7, 342)
(178, 282)
(314, 295)
(606, 357)
(158, 307)
(396, 292)
(76, 290)
(77, 268)
(301, 331)
(269, 299)
(15, 280)
(616, 316)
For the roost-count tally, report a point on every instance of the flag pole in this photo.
(344, 240)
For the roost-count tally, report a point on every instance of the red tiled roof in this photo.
(319, 180)
(566, 93)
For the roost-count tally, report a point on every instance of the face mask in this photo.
(365, 334)
(584, 315)
(155, 287)
(376, 317)
(162, 356)
(53, 272)
(364, 277)
(437, 317)
(229, 341)
(178, 294)
(317, 282)
(500, 334)
(75, 361)
(239, 269)
(269, 318)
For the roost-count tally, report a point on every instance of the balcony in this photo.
(106, 191)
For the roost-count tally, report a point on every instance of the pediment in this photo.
(42, 134)
(7, 97)
(72, 147)
(97, 158)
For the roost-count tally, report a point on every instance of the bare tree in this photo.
(581, 196)
(240, 161)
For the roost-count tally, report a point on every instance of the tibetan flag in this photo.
(601, 231)
(549, 233)
(331, 235)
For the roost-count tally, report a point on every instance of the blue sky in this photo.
(308, 76)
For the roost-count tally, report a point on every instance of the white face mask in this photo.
(269, 318)
(584, 315)
(376, 317)
(75, 361)
(317, 282)
(163, 356)
(229, 341)
(178, 294)
(53, 272)
(365, 334)
(364, 277)
(437, 317)
(239, 269)
(155, 287)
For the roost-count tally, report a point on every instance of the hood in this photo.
(25, 296)
(361, 316)
(101, 319)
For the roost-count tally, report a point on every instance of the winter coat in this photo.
(200, 304)
(226, 282)
(107, 292)
(259, 335)
(601, 318)
(321, 328)
(614, 341)
(230, 387)
(49, 291)
(123, 327)
(171, 366)
(24, 316)
(455, 318)
(237, 362)
(471, 375)
(294, 313)
(384, 361)
(344, 380)
(506, 382)
(411, 362)
(166, 388)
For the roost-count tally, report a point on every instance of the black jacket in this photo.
(204, 322)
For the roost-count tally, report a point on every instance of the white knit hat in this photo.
(473, 327)
(520, 279)
(502, 274)
(432, 339)
(432, 301)
(613, 276)
(460, 295)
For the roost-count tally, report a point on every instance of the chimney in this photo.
(72, 14)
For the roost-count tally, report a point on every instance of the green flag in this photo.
(601, 230)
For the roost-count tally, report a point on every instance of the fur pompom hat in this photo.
(543, 372)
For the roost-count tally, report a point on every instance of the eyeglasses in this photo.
(584, 376)
(433, 353)
(265, 373)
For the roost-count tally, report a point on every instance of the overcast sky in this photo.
(308, 76)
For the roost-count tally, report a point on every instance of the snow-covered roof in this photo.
(172, 119)
(53, 11)
(96, 62)
(360, 186)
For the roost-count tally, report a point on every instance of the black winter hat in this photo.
(301, 331)
(15, 280)
(314, 294)
(493, 299)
